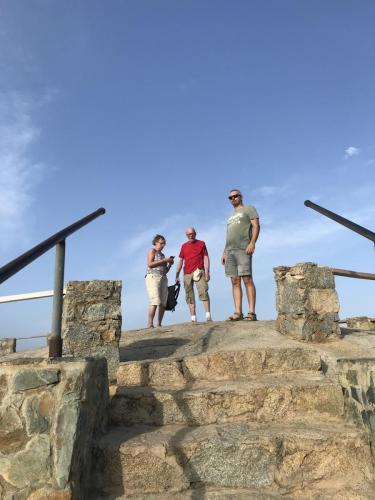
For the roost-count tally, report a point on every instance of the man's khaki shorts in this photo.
(202, 287)
(238, 263)
(157, 289)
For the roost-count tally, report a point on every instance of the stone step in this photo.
(203, 494)
(338, 491)
(224, 365)
(266, 398)
(296, 460)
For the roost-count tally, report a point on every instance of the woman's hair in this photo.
(158, 237)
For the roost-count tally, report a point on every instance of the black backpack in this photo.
(173, 292)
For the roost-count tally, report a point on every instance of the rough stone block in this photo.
(164, 371)
(132, 374)
(50, 410)
(29, 465)
(279, 457)
(7, 346)
(306, 302)
(361, 323)
(92, 321)
(265, 400)
(50, 494)
(323, 301)
(38, 411)
(31, 378)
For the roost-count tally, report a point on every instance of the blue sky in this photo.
(154, 110)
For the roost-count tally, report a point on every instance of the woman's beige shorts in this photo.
(157, 289)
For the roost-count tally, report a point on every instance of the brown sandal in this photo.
(251, 317)
(235, 317)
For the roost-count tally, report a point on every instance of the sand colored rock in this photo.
(306, 301)
(231, 412)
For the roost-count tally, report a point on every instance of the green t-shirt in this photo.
(239, 227)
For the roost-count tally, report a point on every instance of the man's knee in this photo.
(248, 280)
(236, 281)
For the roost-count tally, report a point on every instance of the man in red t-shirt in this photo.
(197, 269)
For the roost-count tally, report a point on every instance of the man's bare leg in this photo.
(192, 311)
(151, 315)
(160, 314)
(250, 292)
(206, 304)
(237, 294)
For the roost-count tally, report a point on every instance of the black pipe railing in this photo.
(26, 258)
(366, 233)
(58, 240)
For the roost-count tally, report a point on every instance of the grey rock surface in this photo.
(306, 301)
(92, 321)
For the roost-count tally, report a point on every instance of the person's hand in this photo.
(169, 260)
(250, 249)
(223, 259)
(177, 278)
(207, 276)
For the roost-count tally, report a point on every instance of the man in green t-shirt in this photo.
(242, 233)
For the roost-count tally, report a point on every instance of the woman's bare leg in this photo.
(160, 314)
(151, 315)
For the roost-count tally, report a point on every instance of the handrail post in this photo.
(55, 342)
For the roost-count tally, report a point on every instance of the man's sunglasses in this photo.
(234, 197)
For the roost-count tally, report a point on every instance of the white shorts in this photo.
(157, 289)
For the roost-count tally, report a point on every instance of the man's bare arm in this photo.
(206, 261)
(250, 249)
(179, 267)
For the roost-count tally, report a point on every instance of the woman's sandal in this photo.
(235, 317)
(250, 317)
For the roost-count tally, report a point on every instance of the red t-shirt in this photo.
(192, 252)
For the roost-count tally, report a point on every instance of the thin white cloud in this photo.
(19, 174)
(267, 191)
(351, 151)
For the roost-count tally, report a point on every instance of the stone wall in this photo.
(7, 346)
(306, 302)
(357, 377)
(92, 321)
(49, 413)
(361, 323)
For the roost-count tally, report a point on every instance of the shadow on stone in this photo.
(151, 349)
(351, 331)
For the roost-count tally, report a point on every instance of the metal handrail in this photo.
(366, 233)
(26, 258)
(352, 274)
(58, 240)
(4, 299)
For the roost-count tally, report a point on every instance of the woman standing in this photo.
(156, 279)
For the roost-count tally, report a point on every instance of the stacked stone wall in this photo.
(92, 321)
(361, 323)
(7, 346)
(306, 302)
(357, 377)
(50, 411)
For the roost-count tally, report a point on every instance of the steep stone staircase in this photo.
(260, 423)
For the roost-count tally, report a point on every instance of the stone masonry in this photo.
(50, 411)
(92, 321)
(7, 346)
(361, 323)
(357, 377)
(306, 302)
